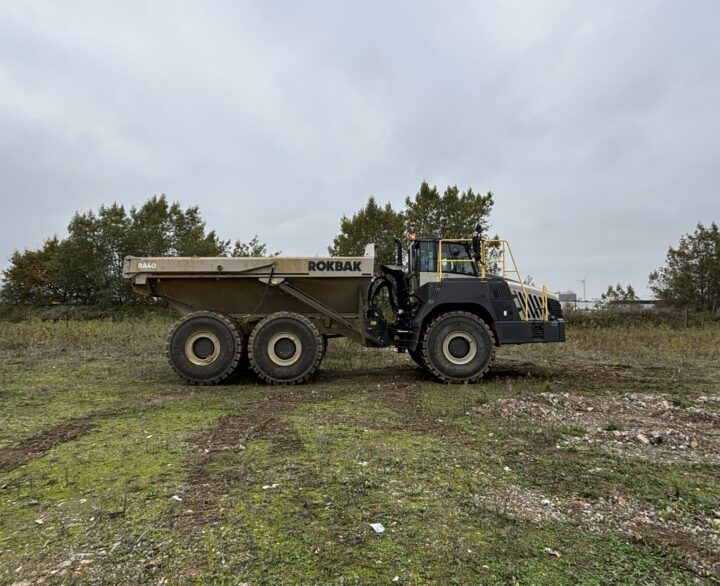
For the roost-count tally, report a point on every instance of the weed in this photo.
(571, 431)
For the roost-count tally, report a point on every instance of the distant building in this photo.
(641, 303)
(567, 297)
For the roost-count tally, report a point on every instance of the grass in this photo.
(113, 471)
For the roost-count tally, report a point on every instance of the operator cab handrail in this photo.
(451, 261)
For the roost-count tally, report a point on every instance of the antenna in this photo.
(584, 282)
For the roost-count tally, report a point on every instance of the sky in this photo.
(596, 125)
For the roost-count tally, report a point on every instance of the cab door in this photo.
(456, 261)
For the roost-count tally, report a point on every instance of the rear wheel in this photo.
(204, 348)
(285, 349)
(458, 347)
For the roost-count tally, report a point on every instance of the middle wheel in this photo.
(285, 348)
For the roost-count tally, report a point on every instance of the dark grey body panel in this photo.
(524, 332)
(493, 300)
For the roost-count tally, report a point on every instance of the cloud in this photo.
(595, 125)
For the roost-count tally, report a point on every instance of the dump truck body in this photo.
(247, 289)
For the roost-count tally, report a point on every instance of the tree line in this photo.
(85, 267)
(690, 277)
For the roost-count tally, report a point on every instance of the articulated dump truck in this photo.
(447, 303)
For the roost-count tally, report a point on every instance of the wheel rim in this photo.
(284, 349)
(202, 348)
(459, 347)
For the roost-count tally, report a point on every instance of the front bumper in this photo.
(529, 332)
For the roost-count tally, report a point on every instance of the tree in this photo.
(616, 296)
(89, 261)
(372, 224)
(691, 275)
(426, 214)
(86, 267)
(159, 228)
(252, 248)
(31, 278)
(452, 215)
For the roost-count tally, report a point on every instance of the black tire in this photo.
(324, 347)
(285, 349)
(458, 347)
(417, 357)
(204, 348)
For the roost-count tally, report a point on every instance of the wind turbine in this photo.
(584, 282)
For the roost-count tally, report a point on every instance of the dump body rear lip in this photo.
(314, 267)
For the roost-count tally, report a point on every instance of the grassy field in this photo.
(592, 462)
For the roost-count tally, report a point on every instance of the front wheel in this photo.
(417, 357)
(458, 347)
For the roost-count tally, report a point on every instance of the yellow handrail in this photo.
(505, 250)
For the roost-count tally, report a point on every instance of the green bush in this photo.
(59, 312)
(636, 316)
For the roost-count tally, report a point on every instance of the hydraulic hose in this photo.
(377, 286)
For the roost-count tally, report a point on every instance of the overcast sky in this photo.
(596, 125)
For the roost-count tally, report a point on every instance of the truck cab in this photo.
(430, 260)
(455, 260)
(455, 300)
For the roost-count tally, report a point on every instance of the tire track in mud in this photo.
(264, 420)
(14, 456)
(260, 420)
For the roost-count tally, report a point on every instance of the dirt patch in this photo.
(378, 376)
(636, 519)
(233, 431)
(583, 376)
(13, 456)
(636, 425)
(510, 369)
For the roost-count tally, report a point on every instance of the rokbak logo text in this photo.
(334, 265)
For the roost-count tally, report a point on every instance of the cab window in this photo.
(456, 258)
(427, 257)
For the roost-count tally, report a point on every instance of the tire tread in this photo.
(291, 315)
(236, 358)
(434, 370)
